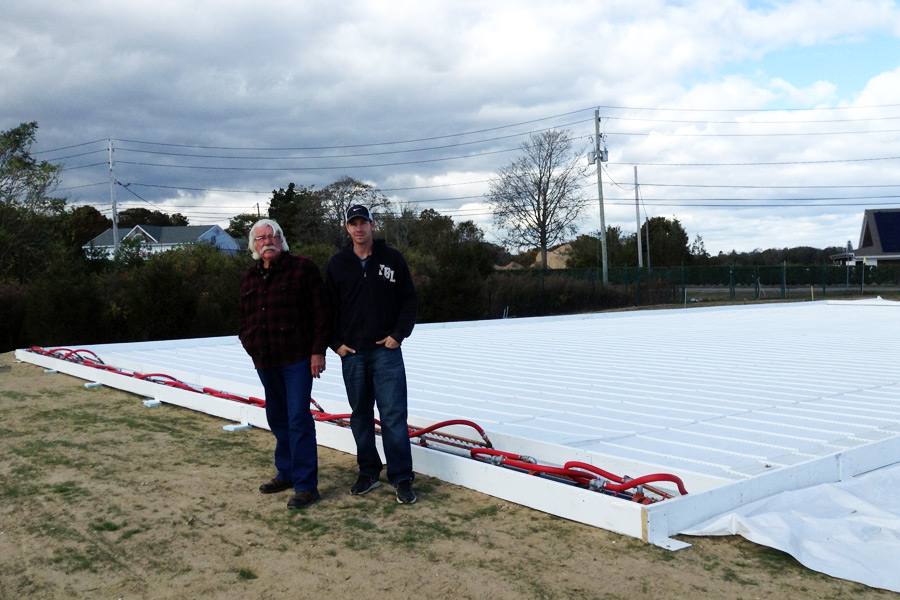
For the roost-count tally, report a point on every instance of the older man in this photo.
(284, 327)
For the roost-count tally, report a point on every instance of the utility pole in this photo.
(637, 218)
(601, 156)
(112, 198)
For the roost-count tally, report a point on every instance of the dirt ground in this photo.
(102, 497)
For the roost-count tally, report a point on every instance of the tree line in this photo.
(52, 292)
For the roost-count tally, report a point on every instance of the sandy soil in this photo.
(102, 497)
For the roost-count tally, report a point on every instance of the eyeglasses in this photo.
(263, 238)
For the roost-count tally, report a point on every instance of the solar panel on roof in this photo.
(888, 224)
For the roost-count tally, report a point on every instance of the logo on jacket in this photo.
(386, 272)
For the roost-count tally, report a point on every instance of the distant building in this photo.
(556, 257)
(847, 257)
(160, 239)
(879, 240)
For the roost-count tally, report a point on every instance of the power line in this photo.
(411, 141)
(69, 147)
(764, 164)
(707, 122)
(749, 110)
(529, 122)
(781, 134)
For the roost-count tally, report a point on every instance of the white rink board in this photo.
(740, 402)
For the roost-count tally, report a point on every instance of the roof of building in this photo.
(154, 234)
(880, 233)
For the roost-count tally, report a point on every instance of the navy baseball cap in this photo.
(359, 210)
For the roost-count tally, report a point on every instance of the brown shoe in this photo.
(275, 485)
(303, 499)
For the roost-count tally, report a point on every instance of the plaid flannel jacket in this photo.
(284, 312)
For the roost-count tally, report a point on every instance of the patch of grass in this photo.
(359, 542)
(25, 470)
(57, 529)
(299, 523)
(487, 511)
(776, 559)
(422, 532)
(17, 396)
(86, 555)
(103, 525)
(11, 492)
(360, 524)
(660, 554)
(129, 533)
(21, 483)
(247, 574)
(42, 453)
(729, 574)
(710, 565)
(73, 561)
(69, 490)
(76, 418)
(8, 434)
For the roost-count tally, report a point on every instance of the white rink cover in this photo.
(741, 402)
(849, 529)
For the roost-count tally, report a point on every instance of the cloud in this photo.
(211, 105)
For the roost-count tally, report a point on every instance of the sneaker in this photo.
(275, 485)
(364, 485)
(405, 493)
(303, 499)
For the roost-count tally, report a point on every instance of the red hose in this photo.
(596, 470)
(415, 432)
(226, 396)
(645, 479)
(582, 473)
(495, 452)
(325, 417)
(579, 472)
(149, 375)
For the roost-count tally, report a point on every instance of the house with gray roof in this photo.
(160, 239)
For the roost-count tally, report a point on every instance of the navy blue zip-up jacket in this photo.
(372, 304)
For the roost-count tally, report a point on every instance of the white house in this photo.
(160, 239)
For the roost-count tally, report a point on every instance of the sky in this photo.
(755, 124)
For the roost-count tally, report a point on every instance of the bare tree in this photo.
(537, 198)
(344, 193)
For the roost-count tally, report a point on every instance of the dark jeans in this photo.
(379, 377)
(288, 391)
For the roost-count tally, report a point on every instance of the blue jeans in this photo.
(379, 377)
(288, 391)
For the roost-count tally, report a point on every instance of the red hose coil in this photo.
(579, 472)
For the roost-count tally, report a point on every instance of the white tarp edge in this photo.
(849, 529)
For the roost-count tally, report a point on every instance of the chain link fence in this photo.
(525, 293)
